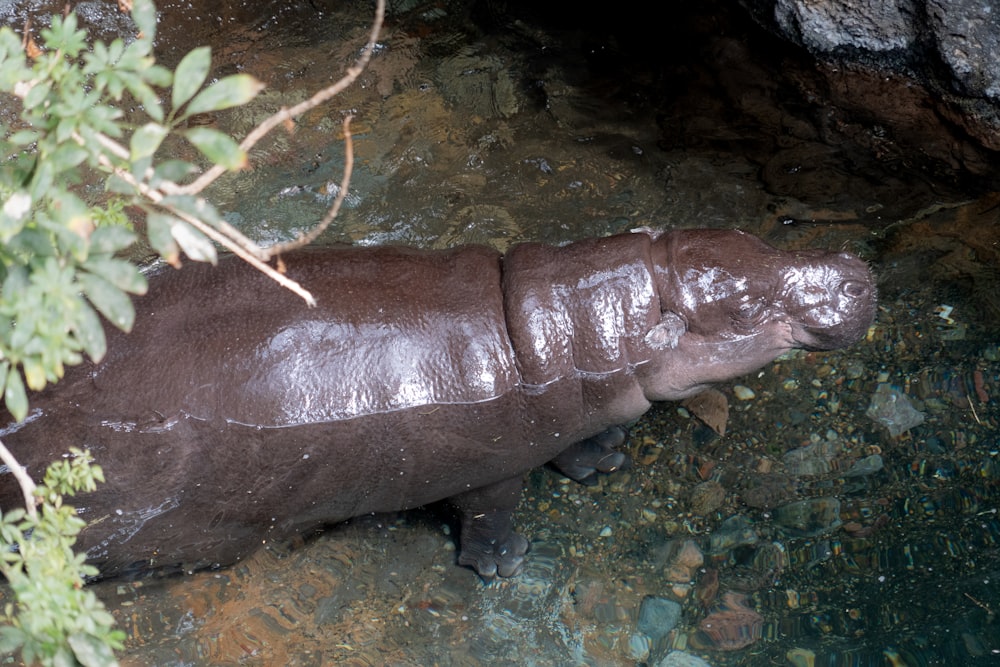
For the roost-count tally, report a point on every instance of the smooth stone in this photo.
(706, 497)
(638, 646)
(867, 466)
(801, 657)
(682, 659)
(736, 531)
(814, 459)
(892, 408)
(808, 518)
(657, 617)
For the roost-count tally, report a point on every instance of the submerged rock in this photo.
(892, 408)
(682, 659)
(734, 532)
(657, 617)
(706, 498)
(683, 561)
(808, 518)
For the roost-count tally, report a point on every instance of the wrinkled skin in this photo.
(233, 415)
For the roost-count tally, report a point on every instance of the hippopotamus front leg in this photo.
(582, 461)
(487, 542)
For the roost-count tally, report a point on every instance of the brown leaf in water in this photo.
(710, 406)
(732, 627)
(28, 42)
(707, 588)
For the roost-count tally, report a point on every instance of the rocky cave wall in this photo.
(948, 48)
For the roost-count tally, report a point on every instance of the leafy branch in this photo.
(58, 264)
(61, 266)
(56, 620)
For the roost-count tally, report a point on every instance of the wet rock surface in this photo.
(951, 48)
(482, 123)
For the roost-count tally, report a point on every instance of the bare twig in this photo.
(23, 480)
(313, 234)
(973, 408)
(169, 188)
(286, 115)
(247, 255)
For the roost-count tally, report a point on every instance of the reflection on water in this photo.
(807, 535)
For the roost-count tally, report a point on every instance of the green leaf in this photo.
(146, 140)
(172, 170)
(121, 273)
(24, 137)
(146, 96)
(32, 241)
(34, 373)
(63, 657)
(13, 214)
(231, 91)
(144, 15)
(141, 168)
(190, 75)
(14, 396)
(44, 176)
(37, 95)
(11, 639)
(111, 239)
(158, 228)
(91, 651)
(218, 147)
(120, 186)
(194, 244)
(68, 156)
(197, 207)
(112, 302)
(63, 35)
(158, 76)
(90, 332)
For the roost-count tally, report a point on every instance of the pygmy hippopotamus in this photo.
(234, 415)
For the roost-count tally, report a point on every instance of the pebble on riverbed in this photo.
(683, 561)
(657, 617)
(892, 408)
(682, 659)
(706, 497)
(808, 518)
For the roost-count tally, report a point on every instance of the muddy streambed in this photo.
(817, 530)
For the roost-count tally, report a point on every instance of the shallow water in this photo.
(495, 124)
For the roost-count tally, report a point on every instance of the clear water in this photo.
(494, 124)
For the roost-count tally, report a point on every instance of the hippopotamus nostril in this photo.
(854, 288)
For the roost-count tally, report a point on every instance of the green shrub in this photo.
(61, 265)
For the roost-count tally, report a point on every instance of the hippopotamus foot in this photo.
(583, 460)
(487, 542)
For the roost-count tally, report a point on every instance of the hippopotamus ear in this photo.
(667, 332)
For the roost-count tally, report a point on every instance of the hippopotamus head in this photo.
(828, 298)
(730, 303)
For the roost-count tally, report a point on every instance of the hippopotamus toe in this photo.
(583, 460)
(490, 560)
